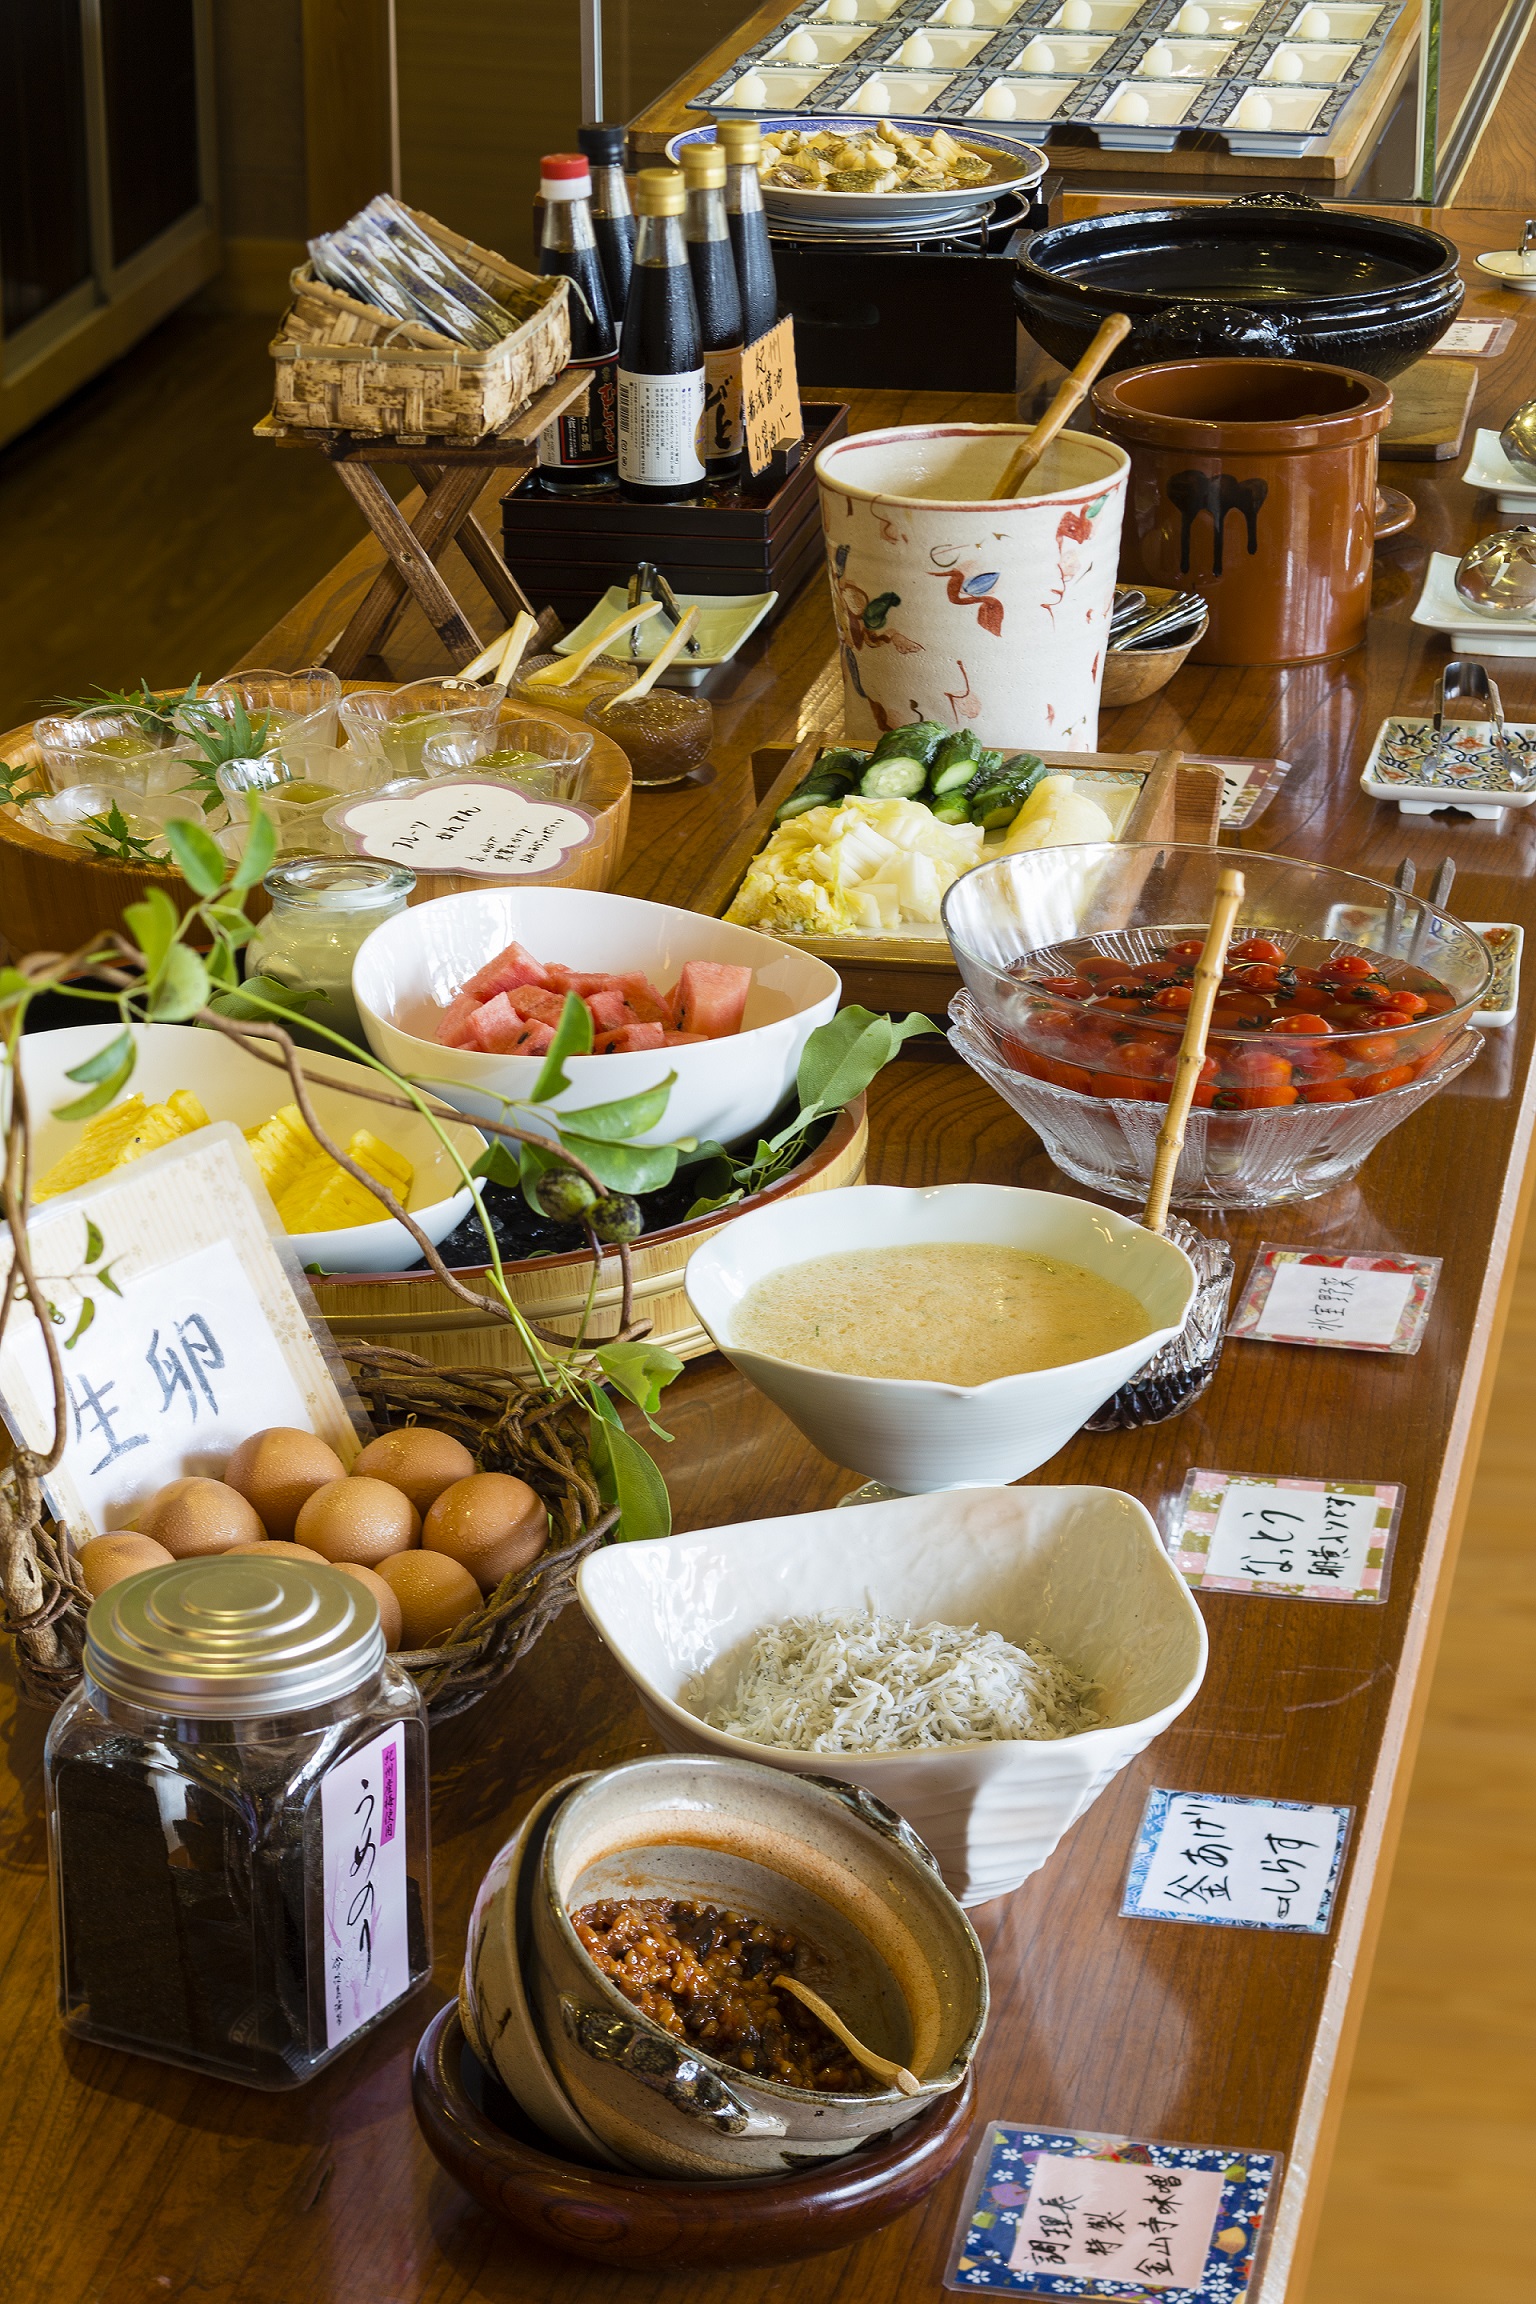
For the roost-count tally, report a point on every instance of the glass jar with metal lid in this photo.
(323, 909)
(237, 1821)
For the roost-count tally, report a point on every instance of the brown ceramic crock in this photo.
(1253, 482)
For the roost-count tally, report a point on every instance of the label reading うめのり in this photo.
(661, 424)
(362, 1833)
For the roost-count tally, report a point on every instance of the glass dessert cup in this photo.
(295, 791)
(539, 757)
(603, 677)
(665, 735)
(299, 708)
(79, 817)
(112, 748)
(393, 725)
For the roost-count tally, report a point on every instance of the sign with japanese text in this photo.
(1297, 1539)
(183, 1325)
(1237, 1863)
(471, 824)
(1364, 1300)
(770, 395)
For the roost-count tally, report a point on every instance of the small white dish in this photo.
(1323, 64)
(991, 15)
(907, 96)
(1081, 1568)
(769, 89)
(1167, 102)
(834, 43)
(914, 1434)
(1292, 113)
(1033, 100)
(412, 966)
(1510, 269)
(952, 49)
(1489, 467)
(1189, 59)
(1072, 54)
(1467, 777)
(1105, 16)
(1440, 608)
(1506, 941)
(232, 1085)
(1348, 23)
(726, 621)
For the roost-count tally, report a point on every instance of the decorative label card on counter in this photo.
(1232, 1863)
(770, 395)
(366, 1893)
(183, 1324)
(1058, 2212)
(1361, 1300)
(1283, 1537)
(471, 824)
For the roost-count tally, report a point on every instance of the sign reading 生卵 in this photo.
(1236, 1863)
(1060, 2213)
(1291, 1538)
(1366, 1300)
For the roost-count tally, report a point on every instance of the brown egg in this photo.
(283, 1551)
(419, 1462)
(106, 1560)
(434, 1593)
(490, 1523)
(201, 1516)
(389, 1606)
(277, 1469)
(359, 1520)
(144, 1517)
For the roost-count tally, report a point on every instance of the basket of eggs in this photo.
(466, 1516)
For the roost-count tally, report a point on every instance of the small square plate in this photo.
(1072, 52)
(1323, 63)
(726, 619)
(835, 43)
(1032, 99)
(1292, 112)
(1489, 467)
(1441, 608)
(1506, 942)
(988, 13)
(952, 51)
(907, 94)
(1108, 16)
(1187, 59)
(1466, 777)
(783, 87)
(1167, 102)
(1343, 23)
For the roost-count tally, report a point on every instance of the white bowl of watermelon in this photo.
(726, 1010)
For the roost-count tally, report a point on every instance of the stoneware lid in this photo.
(233, 1638)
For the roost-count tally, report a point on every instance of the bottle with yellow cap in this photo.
(661, 359)
(713, 266)
(742, 143)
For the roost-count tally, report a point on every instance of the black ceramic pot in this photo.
(1272, 276)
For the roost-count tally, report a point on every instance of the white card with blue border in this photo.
(1234, 1863)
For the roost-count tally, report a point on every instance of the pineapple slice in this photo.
(125, 1133)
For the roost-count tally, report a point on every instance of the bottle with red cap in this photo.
(579, 452)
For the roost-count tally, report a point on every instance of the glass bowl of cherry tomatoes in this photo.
(1079, 965)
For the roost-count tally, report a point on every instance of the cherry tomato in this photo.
(1259, 1099)
(1377, 1083)
(1302, 1023)
(1121, 1084)
(1072, 985)
(1101, 965)
(1439, 1003)
(1257, 948)
(1261, 1067)
(1374, 1048)
(1120, 1003)
(1174, 996)
(1063, 1075)
(1190, 949)
(1318, 1061)
(1260, 977)
(1407, 1003)
(1348, 964)
(1329, 1092)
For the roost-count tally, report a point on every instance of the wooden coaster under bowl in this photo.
(487, 2144)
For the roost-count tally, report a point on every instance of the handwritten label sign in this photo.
(1053, 2213)
(770, 394)
(1294, 1539)
(1247, 786)
(183, 1323)
(1237, 1863)
(362, 1830)
(469, 824)
(1484, 339)
(1356, 1300)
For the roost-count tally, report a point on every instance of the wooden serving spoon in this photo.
(674, 645)
(562, 675)
(879, 2067)
(1208, 969)
(1073, 391)
(491, 656)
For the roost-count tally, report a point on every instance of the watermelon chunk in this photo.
(628, 1039)
(538, 1006)
(454, 1026)
(610, 1010)
(564, 979)
(645, 1002)
(501, 1031)
(506, 972)
(710, 998)
(681, 1039)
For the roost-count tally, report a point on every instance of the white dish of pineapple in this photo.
(882, 867)
(184, 1076)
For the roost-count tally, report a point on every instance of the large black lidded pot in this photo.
(1271, 276)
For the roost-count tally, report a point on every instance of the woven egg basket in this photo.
(348, 367)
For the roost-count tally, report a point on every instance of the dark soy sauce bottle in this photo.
(578, 452)
(612, 220)
(713, 266)
(741, 141)
(661, 360)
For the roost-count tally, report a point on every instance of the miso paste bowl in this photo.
(1082, 1569)
(880, 1936)
(912, 1433)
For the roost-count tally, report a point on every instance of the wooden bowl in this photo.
(54, 897)
(486, 2144)
(416, 1313)
(1130, 674)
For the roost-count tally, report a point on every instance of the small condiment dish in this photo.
(915, 1434)
(1082, 1569)
(880, 1937)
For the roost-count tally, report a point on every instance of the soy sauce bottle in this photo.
(578, 452)
(661, 360)
(612, 220)
(742, 143)
(713, 267)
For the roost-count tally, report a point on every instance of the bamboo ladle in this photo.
(674, 645)
(562, 675)
(1071, 394)
(1197, 1024)
(879, 2067)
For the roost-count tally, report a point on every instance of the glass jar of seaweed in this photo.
(237, 1821)
(323, 911)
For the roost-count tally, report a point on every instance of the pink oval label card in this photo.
(471, 824)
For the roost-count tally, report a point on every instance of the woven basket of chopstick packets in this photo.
(343, 365)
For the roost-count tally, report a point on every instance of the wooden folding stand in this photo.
(450, 475)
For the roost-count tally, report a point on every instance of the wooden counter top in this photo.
(125, 2182)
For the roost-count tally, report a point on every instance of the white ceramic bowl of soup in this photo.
(1082, 1569)
(915, 1433)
